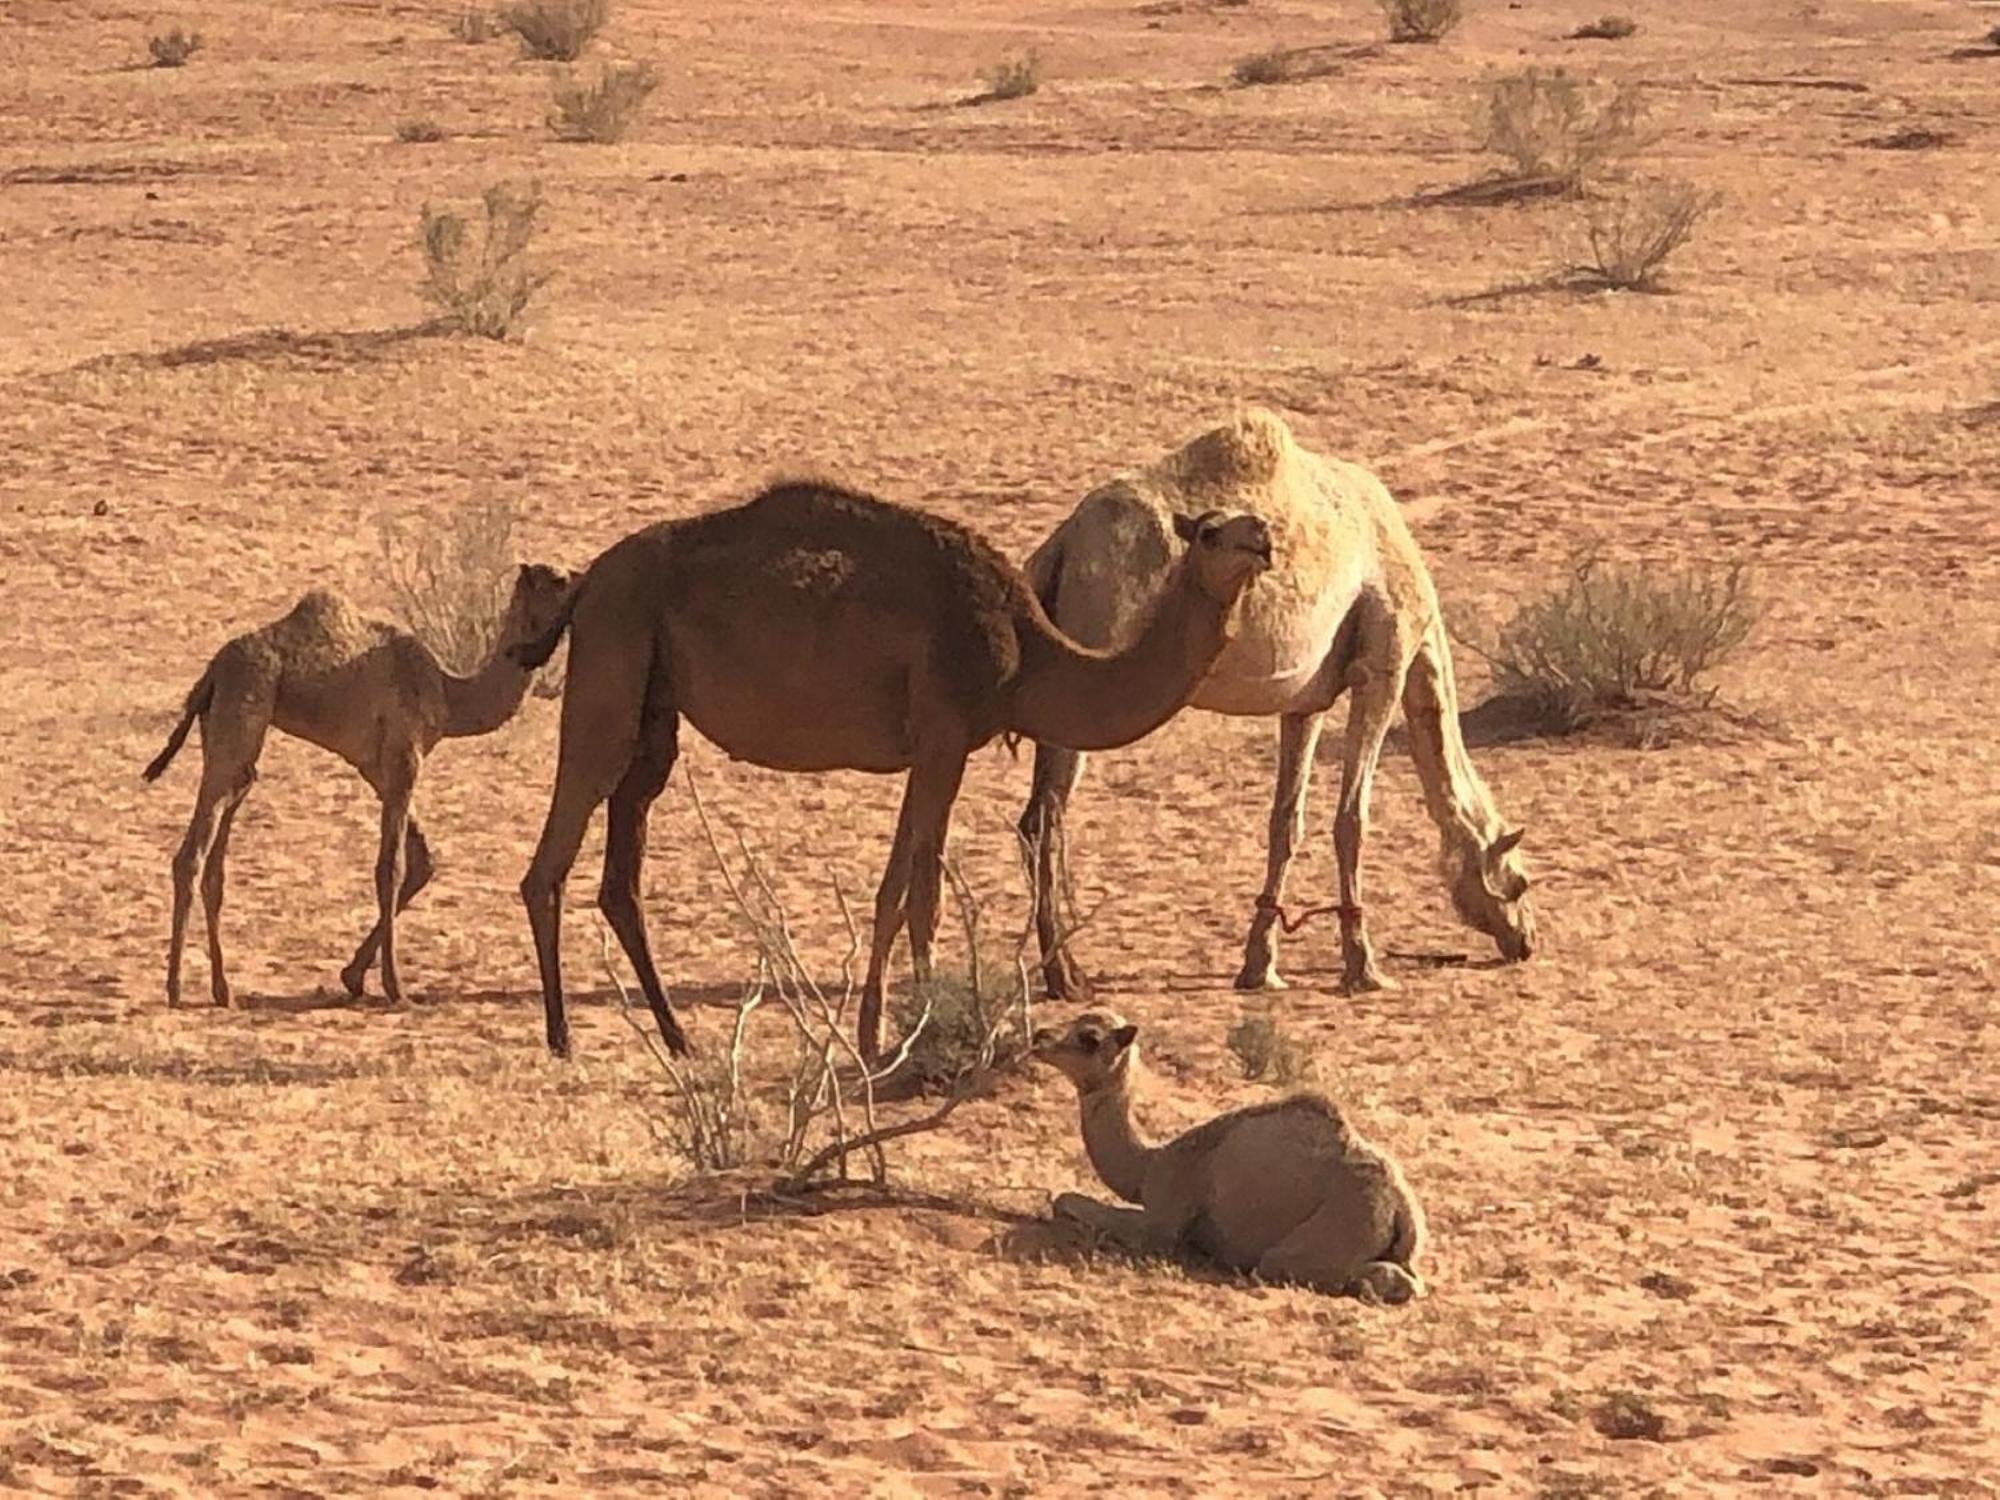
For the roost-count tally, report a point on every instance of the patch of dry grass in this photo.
(447, 577)
(1632, 229)
(1421, 20)
(604, 109)
(1549, 124)
(556, 30)
(174, 49)
(1012, 78)
(483, 288)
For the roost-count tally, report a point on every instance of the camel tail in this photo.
(198, 699)
(536, 653)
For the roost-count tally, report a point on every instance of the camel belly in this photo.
(824, 702)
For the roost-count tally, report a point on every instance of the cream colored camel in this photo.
(1284, 1190)
(374, 696)
(1348, 608)
(815, 629)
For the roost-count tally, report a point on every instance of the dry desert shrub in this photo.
(1616, 639)
(1273, 65)
(172, 49)
(1013, 77)
(1549, 124)
(483, 289)
(1267, 1052)
(555, 30)
(1606, 29)
(448, 578)
(1633, 228)
(419, 132)
(823, 1113)
(474, 25)
(1421, 20)
(604, 110)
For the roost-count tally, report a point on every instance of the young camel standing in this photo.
(1349, 608)
(373, 695)
(816, 629)
(1287, 1190)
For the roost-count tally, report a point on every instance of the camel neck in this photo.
(1082, 699)
(1456, 797)
(1111, 1136)
(481, 703)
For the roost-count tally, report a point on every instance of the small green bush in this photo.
(958, 1010)
(604, 110)
(1633, 229)
(1266, 1052)
(1014, 77)
(172, 49)
(1548, 124)
(556, 30)
(483, 290)
(1620, 637)
(1421, 20)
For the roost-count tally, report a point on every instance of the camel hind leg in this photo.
(1044, 841)
(625, 851)
(232, 737)
(1338, 1249)
(1374, 688)
(604, 698)
(396, 780)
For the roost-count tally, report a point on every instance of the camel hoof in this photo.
(1387, 1284)
(1264, 978)
(221, 998)
(1069, 987)
(354, 981)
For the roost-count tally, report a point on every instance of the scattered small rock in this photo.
(1666, 1284)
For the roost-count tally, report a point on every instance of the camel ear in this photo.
(1506, 843)
(1124, 1037)
(1187, 528)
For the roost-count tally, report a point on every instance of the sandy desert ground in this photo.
(1713, 1179)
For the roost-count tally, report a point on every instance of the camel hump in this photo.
(1247, 450)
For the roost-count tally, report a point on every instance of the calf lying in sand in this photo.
(1284, 1190)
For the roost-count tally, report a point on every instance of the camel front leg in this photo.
(1374, 704)
(1057, 772)
(1298, 737)
(910, 886)
(417, 871)
(1126, 1227)
(397, 788)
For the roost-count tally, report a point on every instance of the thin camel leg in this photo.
(1057, 772)
(417, 871)
(210, 800)
(211, 899)
(1374, 705)
(1298, 737)
(625, 856)
(913, 878)
(1129, 1227)
(389, 871)
(1337, 1250)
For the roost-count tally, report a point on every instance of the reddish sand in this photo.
(1718, 1168)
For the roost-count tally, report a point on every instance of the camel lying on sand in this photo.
(1349, 608)
(816, 629)
(1286, 1191)
(373, 695)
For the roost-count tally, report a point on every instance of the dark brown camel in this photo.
(816, 629)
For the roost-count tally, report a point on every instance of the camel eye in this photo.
(1088, 1040)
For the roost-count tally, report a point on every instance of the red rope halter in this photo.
(1347, 911)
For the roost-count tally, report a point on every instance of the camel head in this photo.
(1226, 550)
(1094, 1052)
(534, 604)
(1489, 887)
